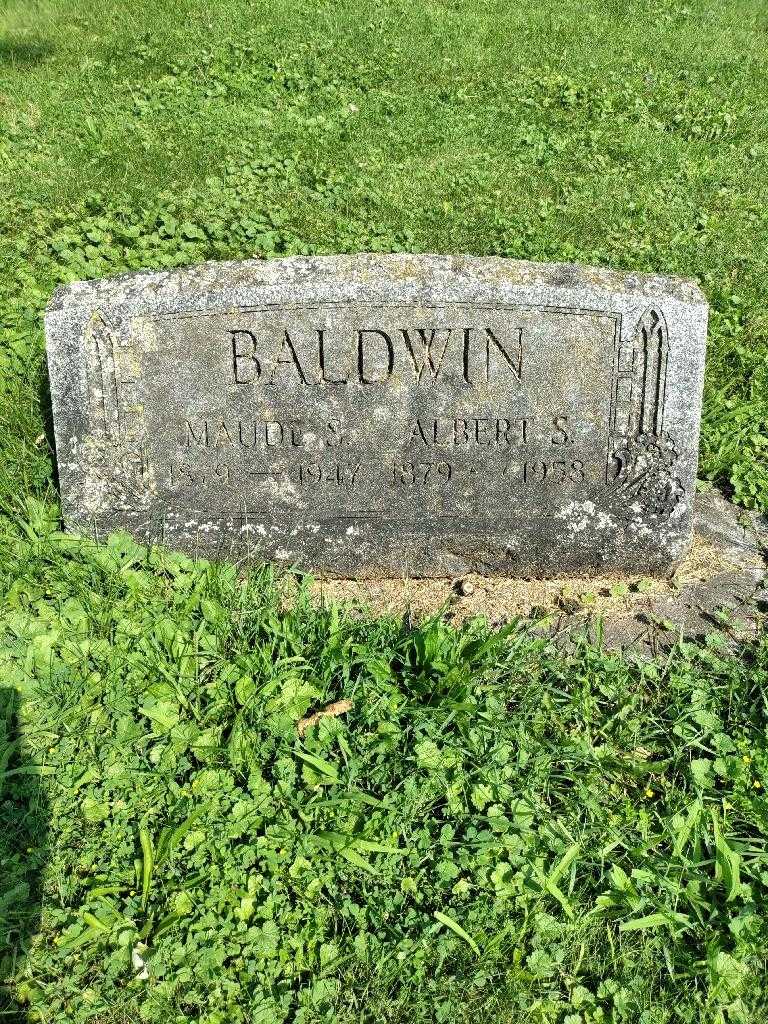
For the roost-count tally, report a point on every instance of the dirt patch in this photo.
(720, 585)
(498, 598)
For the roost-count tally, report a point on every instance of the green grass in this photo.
(494, 831)
(625, 134)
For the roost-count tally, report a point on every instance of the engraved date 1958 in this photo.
(557, 471)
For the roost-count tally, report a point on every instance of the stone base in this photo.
(719, 587)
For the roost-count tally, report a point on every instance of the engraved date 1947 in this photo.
(305, 474)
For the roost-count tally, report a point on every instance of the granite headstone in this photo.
(384, 415)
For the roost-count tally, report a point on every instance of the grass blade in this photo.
(147, 865)
(655, 922)
(321, 766)
(563, 864)
(685, 832)
(372, 847)
(360, 862)
(93, 922)
(727, 861)
(458, 930)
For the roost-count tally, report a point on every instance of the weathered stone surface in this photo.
(365, 415)
(719, 593)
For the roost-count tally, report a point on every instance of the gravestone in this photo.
(384, 415)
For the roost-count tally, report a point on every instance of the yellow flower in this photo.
(746, 759)
(649, 793)
(756, 785)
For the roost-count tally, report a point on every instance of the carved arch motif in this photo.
(641, 455)
(102, 380)
(640, 379)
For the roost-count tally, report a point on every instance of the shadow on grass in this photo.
(23, 847)
(24, 53)
(46, 412)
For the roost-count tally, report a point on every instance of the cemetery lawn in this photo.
(493, 830)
